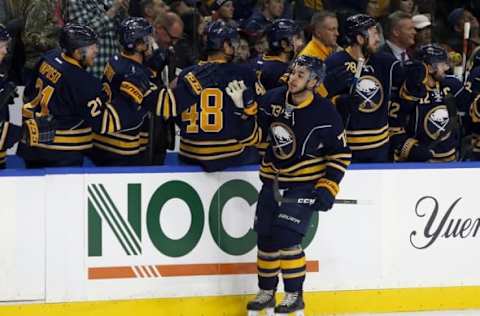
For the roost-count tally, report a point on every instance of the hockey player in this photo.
(426, 117)
(66, 103)
(306, 158)
(214, 106)
(363, 100)
(9, 133)
(137, 68)
(471, 119)
(272, 67)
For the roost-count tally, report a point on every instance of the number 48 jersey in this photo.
(214, 133)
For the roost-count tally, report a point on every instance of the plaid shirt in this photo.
(93, 14)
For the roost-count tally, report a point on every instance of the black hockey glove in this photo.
(158, 60)
(7, 93)
(319, 199)
(323, 199)
(347, 103)
(340, 75)
(420, 153)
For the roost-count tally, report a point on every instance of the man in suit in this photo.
(400, 35)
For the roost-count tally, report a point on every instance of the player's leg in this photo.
(293, 267)
(268, 268)
(289, 226)
(268, 255)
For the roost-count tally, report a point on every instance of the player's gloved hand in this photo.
(39, 130)
(323, 199)
(420, 153)
(135, 85)
(416, 74)
(240, 94)
(347, 103)
(157, 60)
(340, 75)
(7, 93)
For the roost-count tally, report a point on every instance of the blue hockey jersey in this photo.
(78, 104)
(420, 122)
(126, 147)
(366, 121)
(271, 71)
(214, 133)
(9, 133)
(307, 142)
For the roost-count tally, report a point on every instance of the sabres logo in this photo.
(436, 122)
(371, 92)
(284, 143)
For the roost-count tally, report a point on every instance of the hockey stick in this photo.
(470, 62)
(358, 73)
(280, 199)
(466, 37)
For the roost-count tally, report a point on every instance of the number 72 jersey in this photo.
(213, 131)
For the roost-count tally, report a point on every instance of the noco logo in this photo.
(127, 230)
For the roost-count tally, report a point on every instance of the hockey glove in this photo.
(420, 153)
(158, 60)
(323, 199)
(347, 103)
(240, 94)
(40, 130)
(416, 76)
(135, 85)
(7, 93)
(342, 76)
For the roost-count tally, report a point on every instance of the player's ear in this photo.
(226, 46)
(360, 39)
(430, 69)
(77, 54)
(312, 83)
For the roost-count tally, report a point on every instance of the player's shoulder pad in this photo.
(337, 59)
(273, 96)
(201, 76)
(243, 70)
(327, 110)
(453, 82)
(474, 74)
(52, 53)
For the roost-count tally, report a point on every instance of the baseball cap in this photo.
(421, 21)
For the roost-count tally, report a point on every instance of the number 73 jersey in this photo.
(213, 131)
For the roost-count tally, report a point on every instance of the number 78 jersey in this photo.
(213, 131)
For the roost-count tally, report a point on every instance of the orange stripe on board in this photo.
(110, 273)
(207, 269)
(313, 266)
(177, 270)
